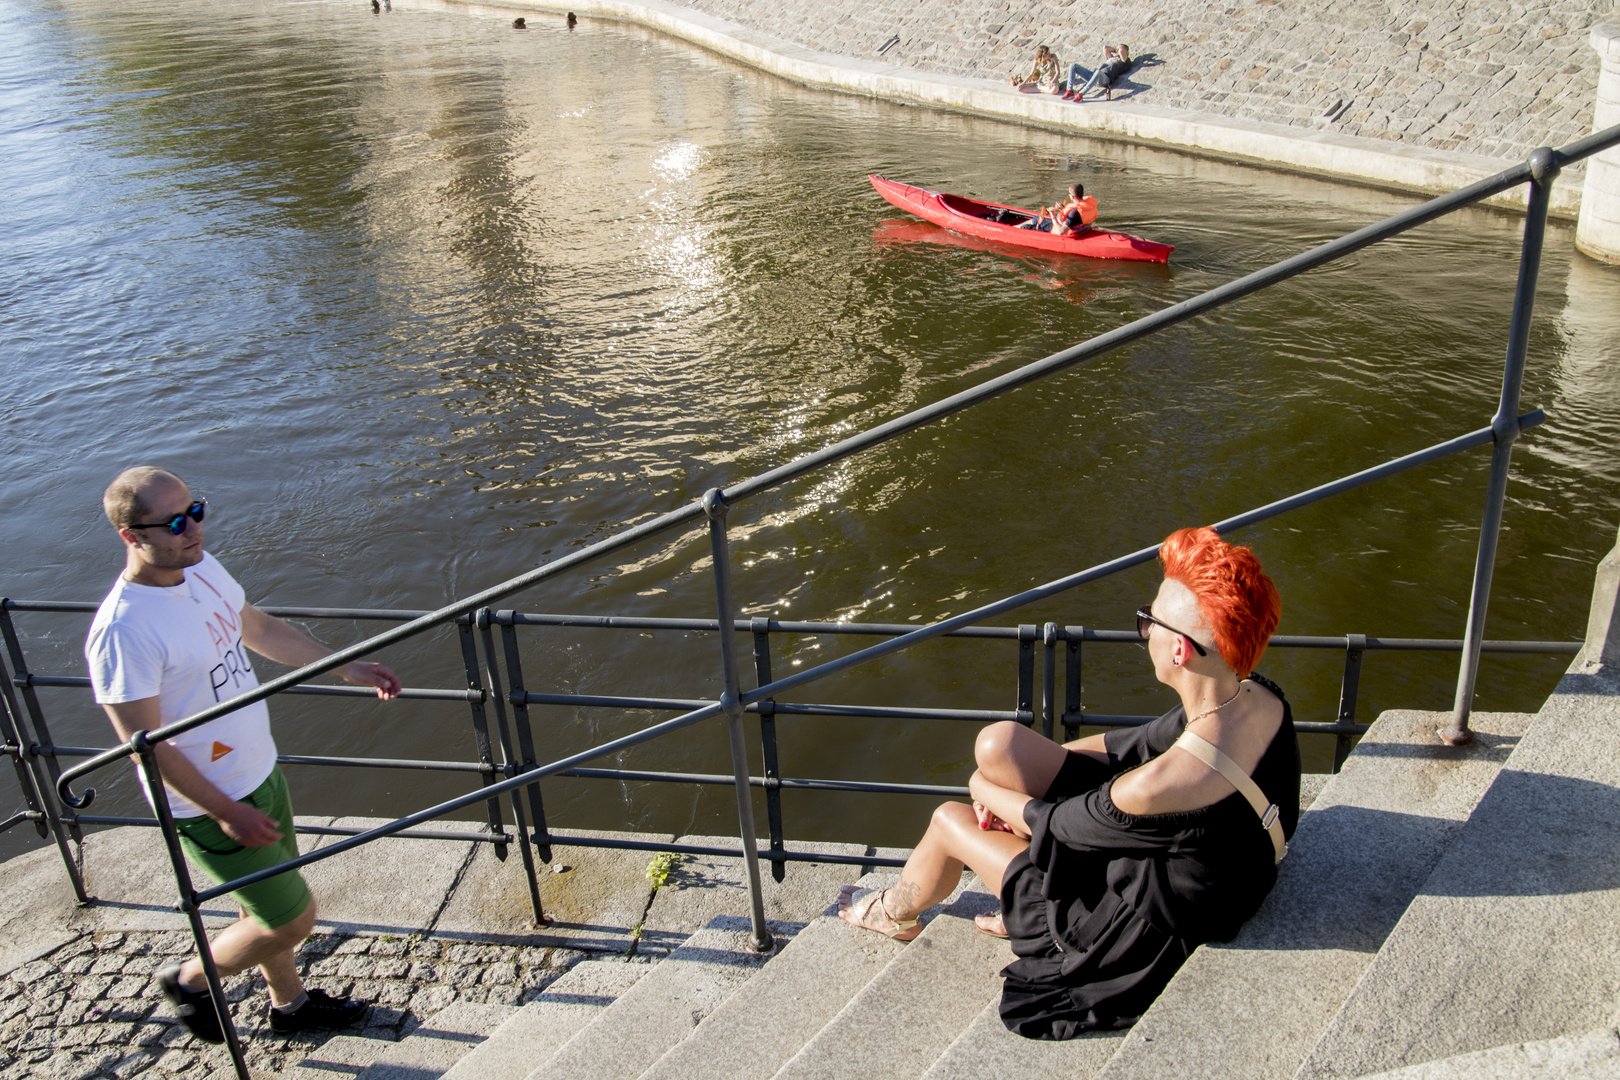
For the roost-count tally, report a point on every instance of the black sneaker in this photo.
(322, 1010)
(194, 1007)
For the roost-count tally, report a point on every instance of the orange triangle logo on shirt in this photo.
(220, 750)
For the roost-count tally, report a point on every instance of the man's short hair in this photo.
(122, 499)
(1077, 191)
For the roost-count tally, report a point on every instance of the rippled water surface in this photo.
(419, 302)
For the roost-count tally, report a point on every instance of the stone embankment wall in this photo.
(1494, 78)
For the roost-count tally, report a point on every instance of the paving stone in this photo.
(594, 906)
(359, 889)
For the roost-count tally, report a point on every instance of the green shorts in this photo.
(275, 901)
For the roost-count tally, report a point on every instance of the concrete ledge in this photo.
(596, 904)
(1371, 161)
(703, 886)
(389, 885)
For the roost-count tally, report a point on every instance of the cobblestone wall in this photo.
(1490, 77)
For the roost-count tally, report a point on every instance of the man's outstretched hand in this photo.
(365, 673)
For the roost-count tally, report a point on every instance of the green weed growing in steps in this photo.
(663, 864)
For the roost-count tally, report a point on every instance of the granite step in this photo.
(514, 1049)
(1591, 1055)
(792, 998)
(988, 1049)
(900, 1023)
(342, 1057)
(432, 1049)
(1515, 937)
(1254, 1008)
(663, 1007)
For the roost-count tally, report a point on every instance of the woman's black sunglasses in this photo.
(177, 524)
(1145, 619)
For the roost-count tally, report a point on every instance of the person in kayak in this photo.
(1074, 214)
(1044, 75)
(1116, 855)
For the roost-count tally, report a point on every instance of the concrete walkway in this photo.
(1205, 123)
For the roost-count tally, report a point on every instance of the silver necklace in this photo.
(1218, 708)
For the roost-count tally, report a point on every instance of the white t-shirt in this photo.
(183, 646)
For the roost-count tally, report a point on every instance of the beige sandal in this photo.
(858, 904)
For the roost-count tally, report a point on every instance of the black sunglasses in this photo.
(1145, 619)
(177, 524)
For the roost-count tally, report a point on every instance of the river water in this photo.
(418, 302)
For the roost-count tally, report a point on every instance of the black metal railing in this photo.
(39, 773)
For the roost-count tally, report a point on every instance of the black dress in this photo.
(1104, 906)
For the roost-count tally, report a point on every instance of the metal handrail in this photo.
(1543, 164)
(1540, 171)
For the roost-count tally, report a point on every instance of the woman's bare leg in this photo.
(953, 840)
(1010, 755)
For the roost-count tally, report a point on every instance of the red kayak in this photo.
(979, 219)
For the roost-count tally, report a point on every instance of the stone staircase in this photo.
(1443, 913)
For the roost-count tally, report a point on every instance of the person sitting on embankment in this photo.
(1116, 65)
(1118, 854)
(1044, 75)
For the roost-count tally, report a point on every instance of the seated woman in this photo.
(1075, 213)
(1119, 854)
(1044, 76)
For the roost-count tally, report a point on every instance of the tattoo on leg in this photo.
(901, 901)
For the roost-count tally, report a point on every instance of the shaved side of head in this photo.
(122, 499)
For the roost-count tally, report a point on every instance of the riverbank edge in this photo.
(1369, 162)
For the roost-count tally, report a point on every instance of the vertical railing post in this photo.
(1027, 633)
(43, 772)
(1504, 429)
(509, 759)
(761, 627)
(518, 697)
(17, 748)
(480, 723)
(146, 760)
(1048, 677)
(1073, 711)
(1355, 645)
(714, 505)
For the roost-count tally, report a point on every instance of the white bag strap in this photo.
(1210, 755)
